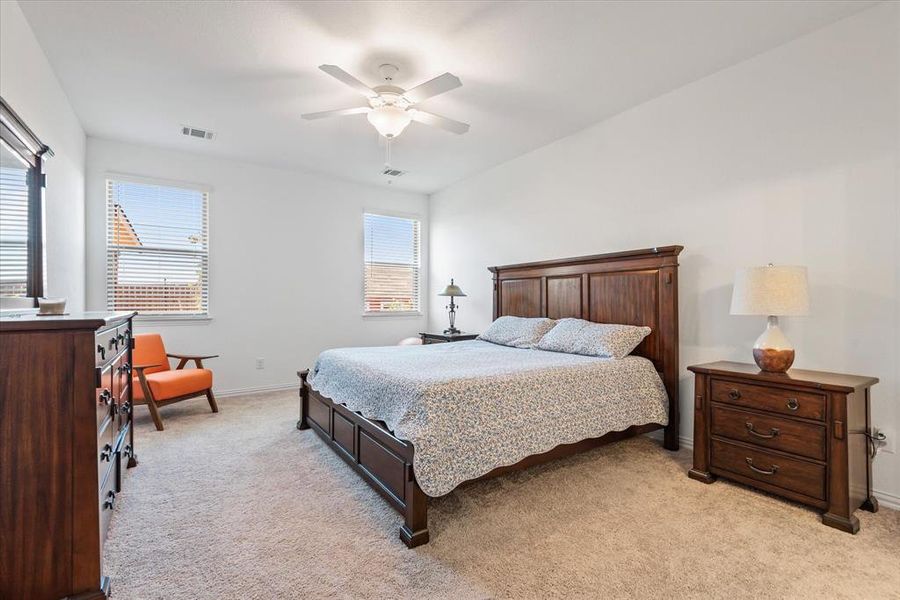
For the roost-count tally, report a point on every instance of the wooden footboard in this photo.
(383, 461)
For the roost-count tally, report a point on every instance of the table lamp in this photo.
(453, 291)
(771, 291)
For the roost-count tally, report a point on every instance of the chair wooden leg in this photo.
(212, 400)
(154, 413)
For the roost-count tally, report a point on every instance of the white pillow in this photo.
(518, 332)
(577, 336)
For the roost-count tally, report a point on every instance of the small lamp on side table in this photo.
(453, 291)
(771, 291)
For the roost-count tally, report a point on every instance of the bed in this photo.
(416, 422)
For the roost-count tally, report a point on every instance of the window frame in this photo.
(162, 318)
(401, 314)
(21, 140)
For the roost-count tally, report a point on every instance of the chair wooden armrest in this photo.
(184, 358)
(143, 378)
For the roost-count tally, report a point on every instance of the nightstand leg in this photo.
(702, 476)
(870, 504)
(850, 525)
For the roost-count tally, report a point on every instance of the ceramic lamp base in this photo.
(772, 360)
(772, 350)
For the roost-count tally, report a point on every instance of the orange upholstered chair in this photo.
(157, 384)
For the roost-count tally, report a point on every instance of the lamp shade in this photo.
(389, 120)
(771, 290)
(453, 290)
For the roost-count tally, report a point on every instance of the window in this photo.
(391, 264)
(21, 197)
(157, 248)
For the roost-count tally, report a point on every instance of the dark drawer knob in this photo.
(110, 502)
(113, 343)
(793, 404)
(106, 396)
(127, 451)
(766, 436)
(126, 408)
(771, 471)
(734, 394)
(101, 351)
(106, 453)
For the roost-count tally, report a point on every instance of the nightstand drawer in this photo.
(788, 473)
(787, 435)
(786, 402)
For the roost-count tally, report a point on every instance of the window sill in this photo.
(394, 315)
(172, 320)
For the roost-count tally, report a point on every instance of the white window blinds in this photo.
(157, 249)
(392, 250)
(13, 225)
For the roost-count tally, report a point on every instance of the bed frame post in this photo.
(668, 282)
(304, 400)
(414, 531)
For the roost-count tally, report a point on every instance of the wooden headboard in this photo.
(637, 287)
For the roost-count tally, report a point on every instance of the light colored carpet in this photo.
(243, 505)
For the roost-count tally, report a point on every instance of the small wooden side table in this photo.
(803, 435)
(440, 338)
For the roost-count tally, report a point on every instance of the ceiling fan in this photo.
(392, 108)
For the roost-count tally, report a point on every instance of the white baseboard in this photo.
(885, 499)
(257, 390)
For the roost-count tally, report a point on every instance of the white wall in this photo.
(30, 87)
(286, 251)
(790, 157)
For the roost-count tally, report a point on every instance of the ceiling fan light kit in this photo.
(389, 120)
(391, 109)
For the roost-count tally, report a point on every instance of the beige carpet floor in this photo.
(243, 505)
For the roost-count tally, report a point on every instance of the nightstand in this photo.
(440, 338)
(802, 435)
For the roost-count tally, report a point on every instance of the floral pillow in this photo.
(577, 336)
(518, 332)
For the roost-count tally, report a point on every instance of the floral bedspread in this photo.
(469, 407)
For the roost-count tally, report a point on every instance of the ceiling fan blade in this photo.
(438, 85)
(438, 121)
(345, 77)
(336, 113)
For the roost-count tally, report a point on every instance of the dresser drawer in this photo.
(107, 498)
(106, 345)
(105, 399)
(778, 400)
(788, 473)
(106, 444)
(787, 435)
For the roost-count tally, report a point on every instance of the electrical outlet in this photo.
(889, 443)
(260, 363)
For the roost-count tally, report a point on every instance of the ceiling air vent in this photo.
(197, 133)
(392, 172)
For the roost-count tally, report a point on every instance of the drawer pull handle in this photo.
(106, 396)
(772, 471)
(106, 453)
(126, 452)
(792, 404)
(110, 501)
(766, 436)
(101, 351)
(734, 394)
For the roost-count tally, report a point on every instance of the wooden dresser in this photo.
(802, 435)
(65, 439)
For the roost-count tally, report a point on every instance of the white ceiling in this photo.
(532, 72)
